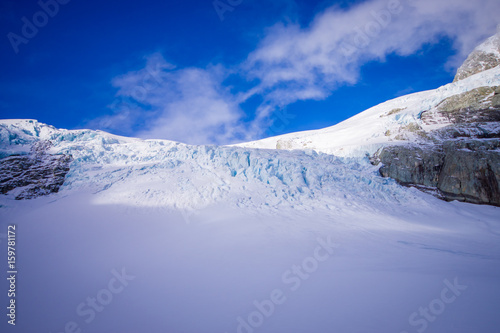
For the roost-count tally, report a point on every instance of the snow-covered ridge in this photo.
(163, 173)
(370, 130)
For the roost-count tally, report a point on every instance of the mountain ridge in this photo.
(462, 115)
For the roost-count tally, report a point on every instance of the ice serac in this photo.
(484, 57)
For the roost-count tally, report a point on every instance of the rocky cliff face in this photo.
(34, 174)
(461, 160)
(464, 170)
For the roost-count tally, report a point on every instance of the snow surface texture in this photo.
(206, 275)
(231, 239)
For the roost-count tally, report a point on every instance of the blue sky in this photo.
(226, 71)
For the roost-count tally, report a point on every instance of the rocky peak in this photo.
(484, 57)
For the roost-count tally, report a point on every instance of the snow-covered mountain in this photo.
(297, 233)
(394, 122)
(467, 109)
(445, 140)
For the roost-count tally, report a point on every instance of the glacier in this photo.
(170, 174)
(225, 239)
(296, 233)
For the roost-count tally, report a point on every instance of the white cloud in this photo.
(294, 63)
(188, 105)
(291, 63)
(194, 108)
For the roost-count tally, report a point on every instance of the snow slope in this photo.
(208, 274)
(232, 239)
(374, 128)
(491, 45)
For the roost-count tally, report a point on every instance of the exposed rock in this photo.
(477, 105)
(484, 57)
(392, 112)
(472, 130)
(35, 174)
(476, 63)
(283, 144)
(495, 101)
(412, 164)
(471, 171)
(465, 170)
(460, 161)
(411, 131)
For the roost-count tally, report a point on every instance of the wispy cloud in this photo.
(291, 63)
(190, 105)
(295, 63)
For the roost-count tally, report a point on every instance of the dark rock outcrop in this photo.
(465, 170)
(411, 164)
(35, 174)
